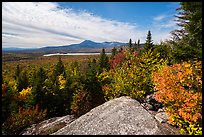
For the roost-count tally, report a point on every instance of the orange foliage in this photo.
(3, 89)
(180, 90)
(25, 117)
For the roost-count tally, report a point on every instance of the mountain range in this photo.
(85, 46)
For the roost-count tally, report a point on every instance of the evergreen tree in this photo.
(37, 90)
(188, 39)
(68, 93)
(54, 100)
(59, 69)
(22, 81)
(93, 67)
(130, 43)
(121, 49)
(92, 85)
(114, 51)
(149, 43)
(135, 46)
(55, 95)
(33, 78)
(138, 44)
(103, 61)
(17, 72)
(9, 104)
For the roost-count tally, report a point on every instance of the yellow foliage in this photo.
(62, 81)
(24, 93)
(133, 78)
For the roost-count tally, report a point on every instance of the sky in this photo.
(40, 24)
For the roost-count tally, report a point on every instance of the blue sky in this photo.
(133, 12)
(50, 23)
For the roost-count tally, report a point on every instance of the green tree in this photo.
(138, 44)
(121, 49)
(38, 90)
(9, 103)
(103, 61)
(135, 46)
(149, 44)
(188, 39)
(92, 85)
(59, 69)
(17, 72)
(68, 93)
(53, 98)
(22, 81)
(114, 51)
(130, 43)
(165, 50)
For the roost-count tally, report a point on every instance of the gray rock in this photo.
(161, 110)
(49, 126)
(149, 98)
(120, 116)
(161, 117)
(147, 106)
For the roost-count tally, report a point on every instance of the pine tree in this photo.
(22, 81)
(59, 69)
(17, 72)
(130, 43)
(138, 44)
(135, 46)
(37, 90)
(68, 93)
(121, 49)
(92, 85)
(103, 61)
(114, 51)
(189, 38)
(149, 43)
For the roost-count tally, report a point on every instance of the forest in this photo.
(35, 90)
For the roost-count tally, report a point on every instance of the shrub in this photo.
(23, 95)
(81, 103)
(180, 90)
(133, 78)
(9, 99)
(25, 117)
(62, 81)
(117, 60)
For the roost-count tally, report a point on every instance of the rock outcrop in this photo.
(120, 116)
(161, 117)
(49, 126)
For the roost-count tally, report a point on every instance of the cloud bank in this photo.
(38, 24)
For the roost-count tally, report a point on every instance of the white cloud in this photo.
(28, 24)
(159, 18)
(165, 21)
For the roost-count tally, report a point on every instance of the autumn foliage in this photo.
(133, 78)
(25, 117)
(81, 103)
(180, 90)
(23, 95)
(117, 60)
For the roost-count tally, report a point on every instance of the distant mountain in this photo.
(85, 46)
(12, 49)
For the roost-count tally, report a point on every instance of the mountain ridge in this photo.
(84, 46)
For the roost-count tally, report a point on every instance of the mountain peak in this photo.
(87, 42)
